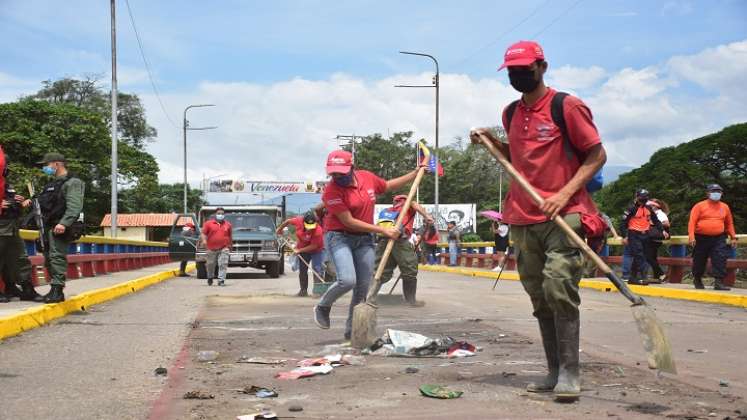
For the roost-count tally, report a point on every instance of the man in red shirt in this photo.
(348, 228)
(217, 236)
(710, 222)
(309, 246)
(403, 254)
(549, 264)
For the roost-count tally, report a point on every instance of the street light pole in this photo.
(351, 139)
(186, 127)
(115, 162)
(436, 83)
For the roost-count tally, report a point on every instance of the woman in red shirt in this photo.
(349, 229)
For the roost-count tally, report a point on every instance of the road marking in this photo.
(605, 286)
(37, 316)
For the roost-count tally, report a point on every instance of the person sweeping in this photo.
(553, 143)
(309, 246)
(349, 231)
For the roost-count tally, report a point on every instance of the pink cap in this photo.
(522, 53)
(339, 162)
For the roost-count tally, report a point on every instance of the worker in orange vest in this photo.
(710, 222)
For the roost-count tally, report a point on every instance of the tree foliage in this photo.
(132, 127)
(679, 175)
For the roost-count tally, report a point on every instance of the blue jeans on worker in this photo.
(315, 259)
(354, 256)
(453, 252)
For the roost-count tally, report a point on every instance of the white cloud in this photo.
(722, 68)
(571, 78)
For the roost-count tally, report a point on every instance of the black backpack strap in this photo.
(556, 111)
(510, 109)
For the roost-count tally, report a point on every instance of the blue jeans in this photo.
(315, 259)
(353, 256)
(453, 251)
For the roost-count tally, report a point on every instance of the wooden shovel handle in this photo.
(527, 187)
(374, 289)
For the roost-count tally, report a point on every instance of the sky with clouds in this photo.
(287, 76)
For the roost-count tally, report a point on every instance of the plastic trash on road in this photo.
(305, 372)
(263, 415)
(408, 344)
(461, 349)
(439, 391)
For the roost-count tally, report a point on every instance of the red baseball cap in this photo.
(522, 53)
(339, 162)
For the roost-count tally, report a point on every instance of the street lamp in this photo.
(187, 127)
(435, 84)
(350, 139)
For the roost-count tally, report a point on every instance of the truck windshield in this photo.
(251, 222)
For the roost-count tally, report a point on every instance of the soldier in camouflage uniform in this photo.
(61, 203)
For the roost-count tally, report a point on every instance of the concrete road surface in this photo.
(100, 364)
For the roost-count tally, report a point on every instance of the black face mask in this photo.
(523, 80)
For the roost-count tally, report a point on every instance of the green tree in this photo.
(169, 198)
(132, 127)
(679, 174)
(30, 128)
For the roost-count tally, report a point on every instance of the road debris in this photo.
(259, 391)
(198, 395)
(723, 383)
(439, 391)
(295, 408)
(161, 371)
(305, 372)
(408, 344)
(262, 415)
(698, 351)
(207, 356)
(411, 369)
(261, 360)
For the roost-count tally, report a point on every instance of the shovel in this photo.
(364, 313)
(655, 342)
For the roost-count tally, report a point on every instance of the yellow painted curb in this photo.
(37, 316)
(605, 286)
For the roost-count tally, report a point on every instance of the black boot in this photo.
(11, 291)
(550, 343)
(29, 294)
(719, 285)
(55, 295)
(698, 283)
(3, 298)
(568, 388)
(409, 289)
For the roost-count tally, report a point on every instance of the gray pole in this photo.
(436, 83)
(185, 127)
(115, 163)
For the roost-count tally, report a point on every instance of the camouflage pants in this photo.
(550, 267)
(55, 258)
(403, 256)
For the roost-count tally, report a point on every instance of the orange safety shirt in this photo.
(711, 218)
(641, 221)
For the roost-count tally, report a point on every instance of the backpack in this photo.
(556, 111)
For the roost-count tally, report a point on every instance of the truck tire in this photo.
(273, 269)
(201, 270)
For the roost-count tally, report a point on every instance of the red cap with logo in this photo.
(339, 162)
(522, 53)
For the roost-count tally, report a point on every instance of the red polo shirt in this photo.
(537, 153)
(306, 237)
(359, 199)
(218, 234)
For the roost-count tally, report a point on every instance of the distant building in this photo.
(142, 226)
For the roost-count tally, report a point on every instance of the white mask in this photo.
(715, 196)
